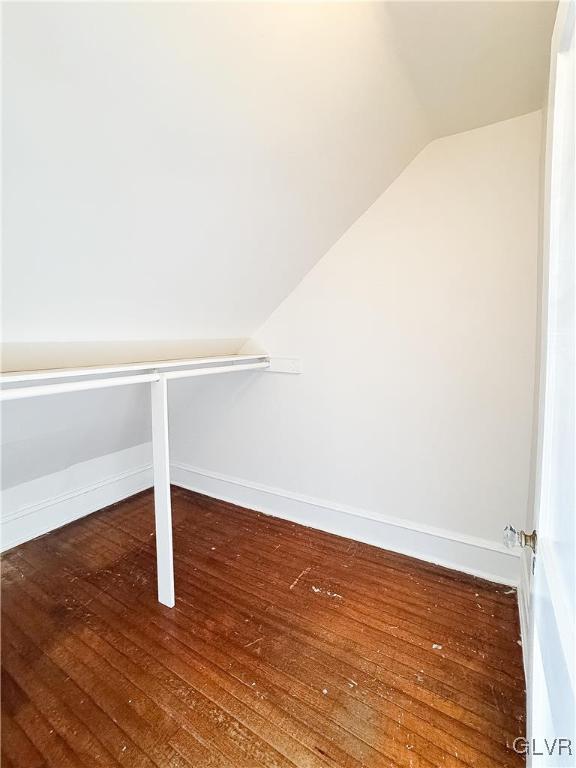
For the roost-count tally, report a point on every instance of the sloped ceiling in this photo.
(173, 170)
(474, 63)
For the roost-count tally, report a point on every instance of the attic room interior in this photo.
(288, 384)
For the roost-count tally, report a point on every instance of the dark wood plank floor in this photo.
(287, 647)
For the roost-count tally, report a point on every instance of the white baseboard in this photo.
(469, 554)
(39, 506)
(42, 505)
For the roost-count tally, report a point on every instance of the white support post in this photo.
(162, 503)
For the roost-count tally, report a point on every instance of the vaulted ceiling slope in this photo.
(173, 170)
(475, 62)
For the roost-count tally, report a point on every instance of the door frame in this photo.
(562, 35)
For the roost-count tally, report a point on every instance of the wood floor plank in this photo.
(402, 586)
(16, 743)
(288, 647)
(392, 618)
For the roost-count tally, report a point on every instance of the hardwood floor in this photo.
(287, 647)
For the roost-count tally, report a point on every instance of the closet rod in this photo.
(207, 371)
(18, 393)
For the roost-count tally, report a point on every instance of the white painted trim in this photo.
(35, 508)
(469, 554)
(25, 517)
(524, 589)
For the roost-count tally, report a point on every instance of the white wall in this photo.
(42, 436)
(37, 506)
(68, 455)
(417, 336)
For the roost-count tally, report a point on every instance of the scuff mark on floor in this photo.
(297, 579)
(258, 639)
(319, 590)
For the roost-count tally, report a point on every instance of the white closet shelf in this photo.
(159, 366)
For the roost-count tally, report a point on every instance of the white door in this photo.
(551, 666)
